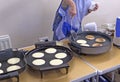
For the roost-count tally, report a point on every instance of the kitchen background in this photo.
(25, 21)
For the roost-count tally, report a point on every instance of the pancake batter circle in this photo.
(81, 41)
(38, 55)
(90, 37)
(60, 55)
(85, 45)
(97, 45)
(0, 64)
(38, 62)
(1, 71)
(13, 60)
(13, 68)
(100, 40)
(50, 50)
(55, 62)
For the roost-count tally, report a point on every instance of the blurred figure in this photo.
(69, 16)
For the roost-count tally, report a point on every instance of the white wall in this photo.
(107, 12)
(27, 20)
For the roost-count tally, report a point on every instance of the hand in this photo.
(72, 11)
(94, 9)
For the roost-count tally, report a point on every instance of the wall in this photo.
(107, 12)
(27, 20)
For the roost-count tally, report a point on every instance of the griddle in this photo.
(47, 57)
(90, 50)
(7, 54)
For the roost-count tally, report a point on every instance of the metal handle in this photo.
(71, 25)
(73, 33)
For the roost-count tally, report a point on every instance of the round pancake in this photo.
(55, 62)
(13, 60)
(1, 71)
(90, 37)
(60, 55)
(38, 55)
(13, 68)
(100, 40)
(50, 50)
(81, 41)
(85, 45)
(38, 62)
(96, 45)
(0, 64)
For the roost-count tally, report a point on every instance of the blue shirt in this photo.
(63, 23)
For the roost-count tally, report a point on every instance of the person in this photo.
(69, 17)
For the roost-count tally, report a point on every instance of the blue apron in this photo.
(63, 24)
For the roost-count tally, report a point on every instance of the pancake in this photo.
(90, 37)
(55, 62)
(81, 41)
(50, 50)
(100, 40)
(0, 64)
(38, 55)
(60, 55)
(13, 68)
(97, 45)
(13, 60)
(85, 45)
(1, 71)
(38, 62)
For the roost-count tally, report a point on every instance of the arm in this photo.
(72, 7)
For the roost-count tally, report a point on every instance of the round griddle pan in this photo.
(76, 47)
(47, 57)
(7, 54)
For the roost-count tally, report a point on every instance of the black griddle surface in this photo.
(91, 42)
(48, 57)
(7, 54)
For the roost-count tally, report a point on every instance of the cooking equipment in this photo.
(7, 54)
(41, 47)
(76, 47)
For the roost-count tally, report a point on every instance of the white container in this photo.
(90, 27)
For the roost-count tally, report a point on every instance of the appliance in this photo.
(5, 55)
(90, 50)
(41, 47)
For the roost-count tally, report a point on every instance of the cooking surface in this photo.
(6, 61)
(5, 65)
(92, 41)
(48, 57)
(100, 48)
